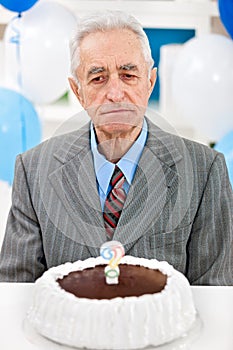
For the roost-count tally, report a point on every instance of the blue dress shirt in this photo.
(128, 163)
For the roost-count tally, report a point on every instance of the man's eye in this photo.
(127, 76)
(99, 79)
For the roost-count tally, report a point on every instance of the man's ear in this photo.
(76, 90)
(152, 80)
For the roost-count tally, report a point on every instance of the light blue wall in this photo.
(159, 37)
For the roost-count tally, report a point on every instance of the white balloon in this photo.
(42, 67)
(202, 84)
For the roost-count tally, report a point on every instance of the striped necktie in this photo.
(114, 202)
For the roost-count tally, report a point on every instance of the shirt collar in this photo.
(128, 163)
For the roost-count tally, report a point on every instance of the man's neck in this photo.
(115, 146)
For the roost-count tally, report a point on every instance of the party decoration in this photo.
(37, 57)
(226, 15)
(202, 84)
(5, 203)
(225, 146)
(18, 6)
(19, 130)
(112, 251)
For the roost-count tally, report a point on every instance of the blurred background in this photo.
(192, 46)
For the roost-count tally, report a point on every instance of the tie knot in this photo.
(118, 178)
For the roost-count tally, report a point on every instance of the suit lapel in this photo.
(75, 185)
(155, 181)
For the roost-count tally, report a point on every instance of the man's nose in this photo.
(115, 90)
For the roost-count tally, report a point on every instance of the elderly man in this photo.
(119, 177)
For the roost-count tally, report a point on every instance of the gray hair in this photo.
(103, 22)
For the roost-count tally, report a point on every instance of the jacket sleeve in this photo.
(22, 257)
(210, 248)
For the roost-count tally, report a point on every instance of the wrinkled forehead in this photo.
(116, 48)
(111, 38)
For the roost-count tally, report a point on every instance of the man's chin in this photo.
(116, 128)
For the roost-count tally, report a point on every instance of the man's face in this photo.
(114, 84)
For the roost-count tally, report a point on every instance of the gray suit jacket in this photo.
(179, 208)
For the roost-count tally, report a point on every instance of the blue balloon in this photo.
(20, 129)
(19, 5)
(225, 146)
(226, 14)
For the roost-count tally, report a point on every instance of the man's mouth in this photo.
(115, 111)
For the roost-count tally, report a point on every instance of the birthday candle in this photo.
(112, 251)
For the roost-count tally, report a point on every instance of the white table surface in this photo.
(213, 332)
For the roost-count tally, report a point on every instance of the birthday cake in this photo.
(152, 304)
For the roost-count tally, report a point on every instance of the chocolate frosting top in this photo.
(134, 280)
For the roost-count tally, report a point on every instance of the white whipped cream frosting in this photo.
(119, 323)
